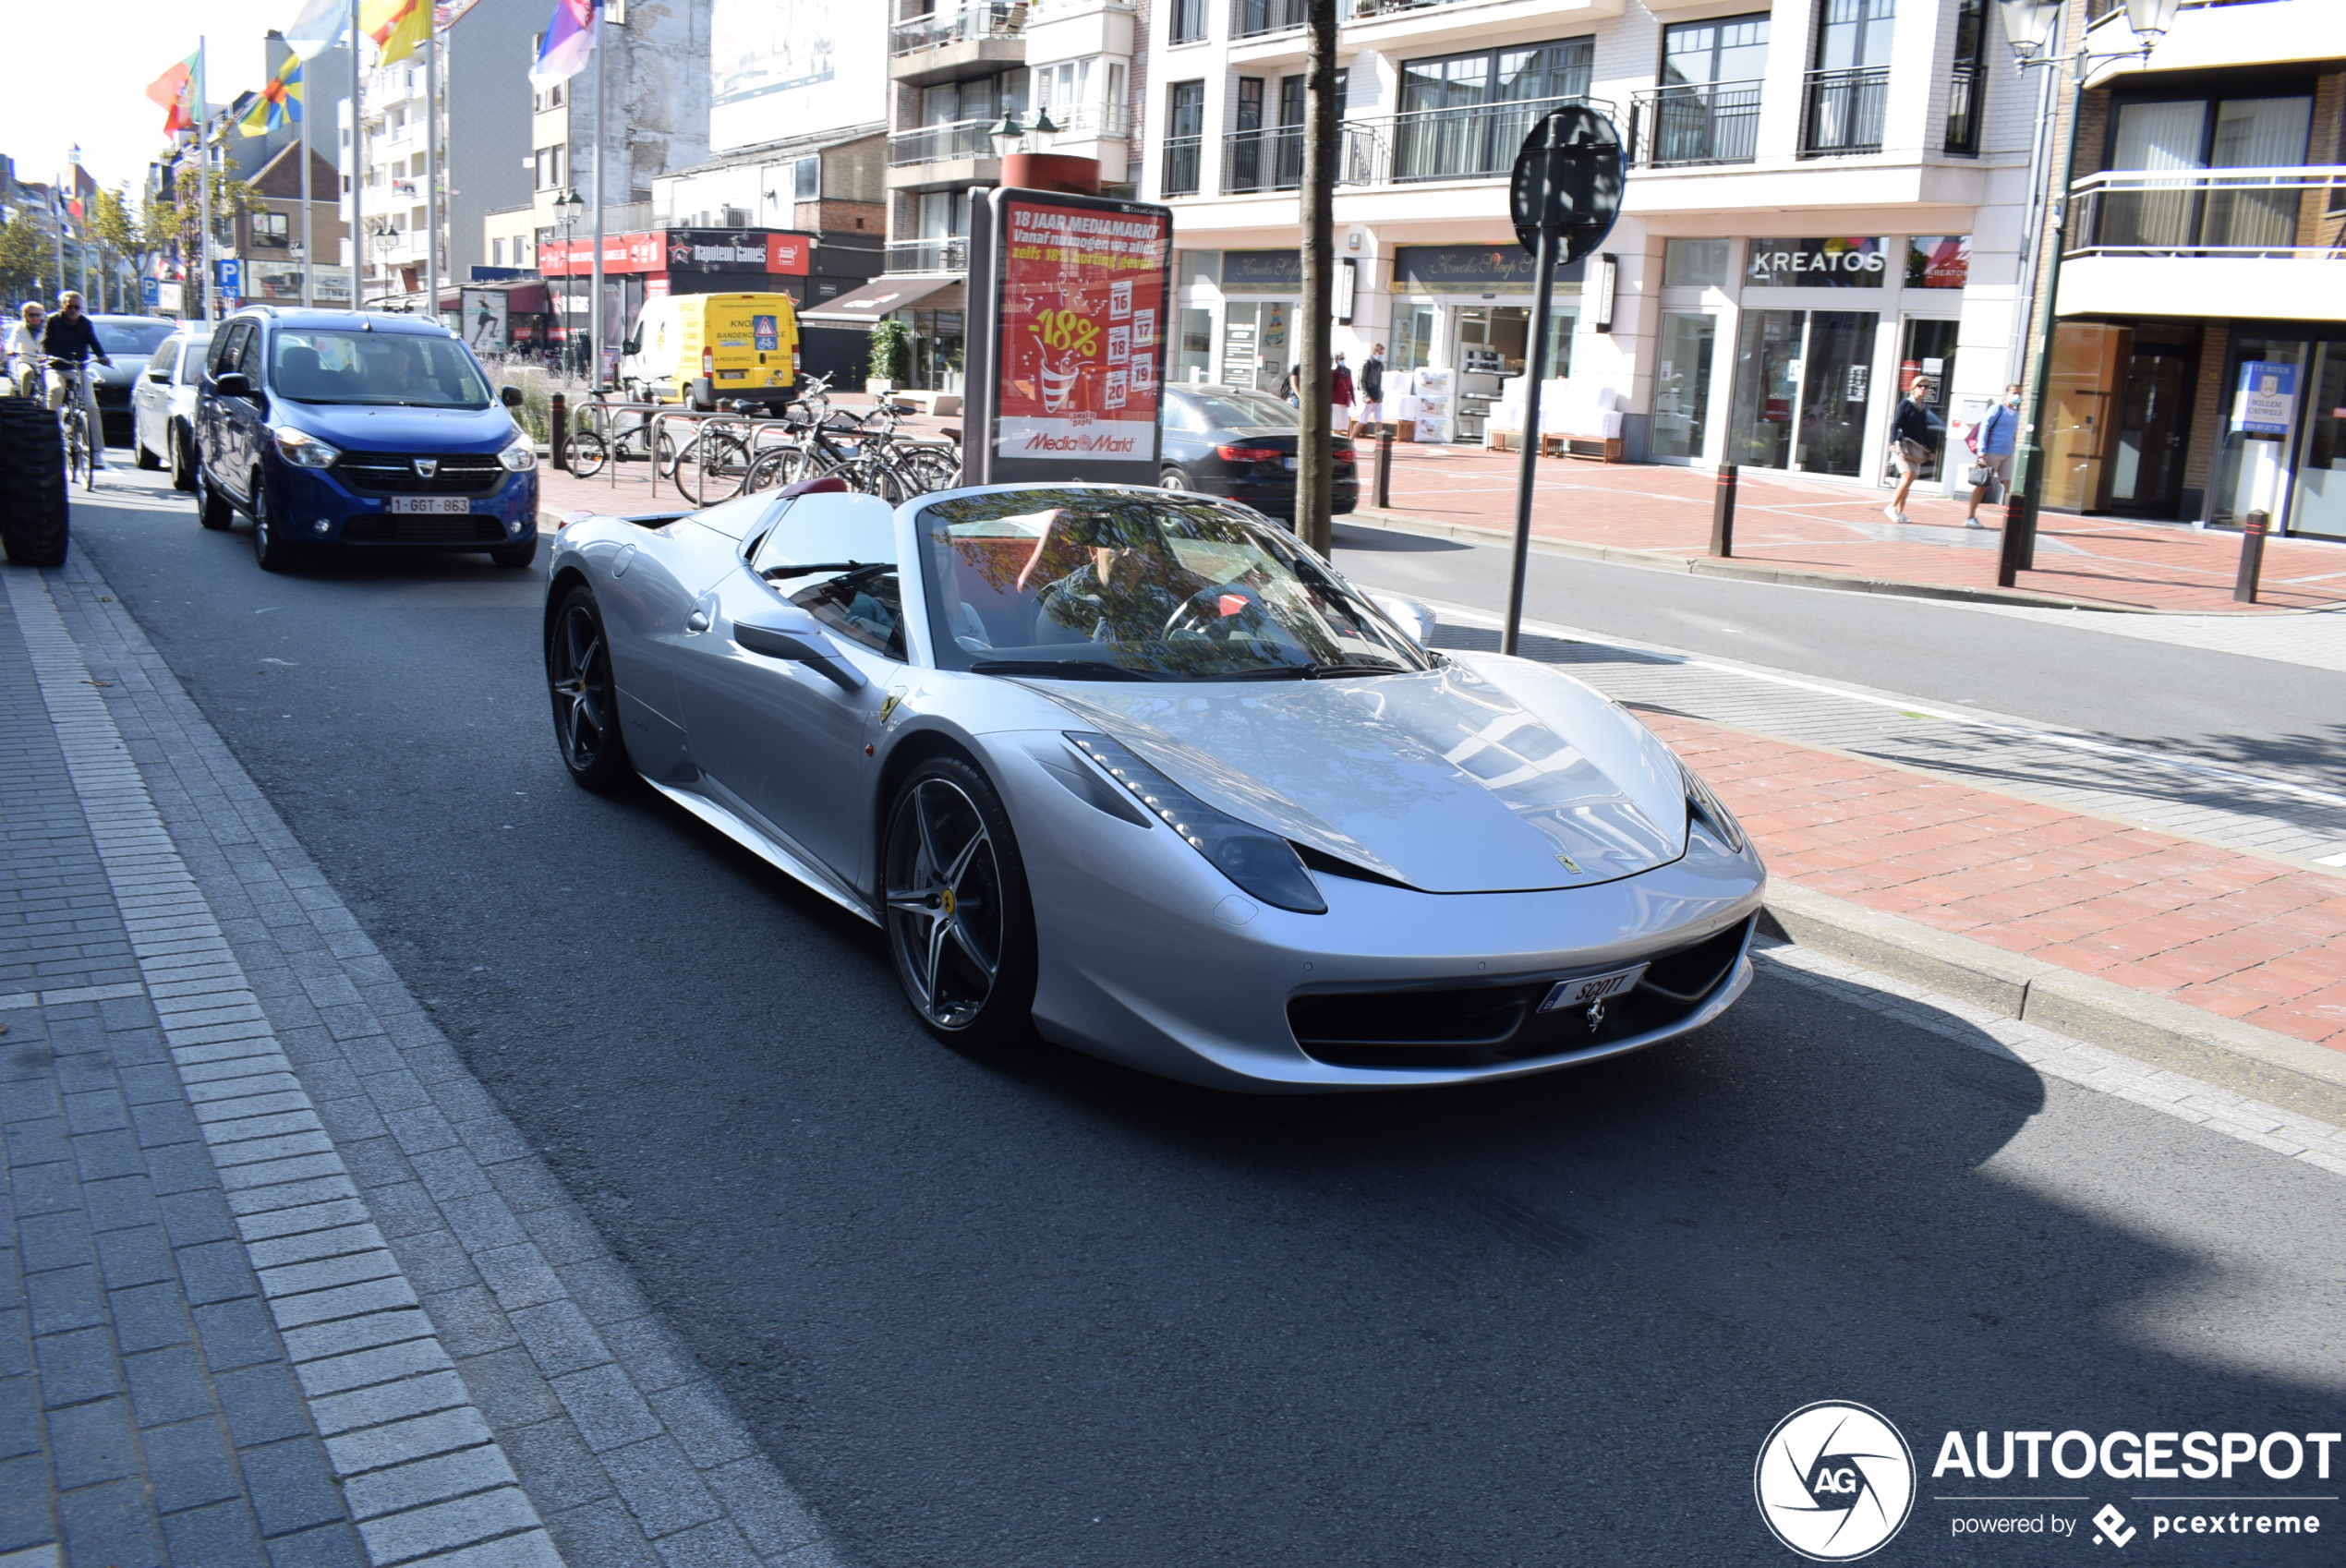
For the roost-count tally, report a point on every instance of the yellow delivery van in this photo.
(697, 348)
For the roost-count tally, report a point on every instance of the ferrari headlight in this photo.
(1263, 864)
(1703, 807)
(303, 450)
(520, 453)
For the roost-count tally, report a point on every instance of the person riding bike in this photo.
(69, 337)
(25, 358)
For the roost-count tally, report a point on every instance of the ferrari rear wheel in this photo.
(585, 698)
(960, 925)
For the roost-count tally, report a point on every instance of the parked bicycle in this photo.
(603, 432)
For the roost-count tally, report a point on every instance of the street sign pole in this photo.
(1527, 465)
(1565, 196)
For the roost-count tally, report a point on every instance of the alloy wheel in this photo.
(944, 904)
(581, 680)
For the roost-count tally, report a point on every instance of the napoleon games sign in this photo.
(1080, 285)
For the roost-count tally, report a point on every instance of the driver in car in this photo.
(1126, 592)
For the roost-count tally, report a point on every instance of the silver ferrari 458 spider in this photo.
(1138, 767)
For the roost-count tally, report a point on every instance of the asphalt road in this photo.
(2214, 704)
(1033, 1309)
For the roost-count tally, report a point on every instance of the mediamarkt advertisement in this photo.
(1083, 293)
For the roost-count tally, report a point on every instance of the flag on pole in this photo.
(318, 28)
(175, 92)
(396, 26)
(569, 43)
(277, 104)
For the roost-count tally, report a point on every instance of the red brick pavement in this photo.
(2248, 938)
(1813, 525)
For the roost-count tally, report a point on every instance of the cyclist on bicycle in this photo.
(69, 337)
(24, 354)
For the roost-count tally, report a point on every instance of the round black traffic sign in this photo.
(1567, 179)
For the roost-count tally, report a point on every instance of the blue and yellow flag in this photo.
(277, 104)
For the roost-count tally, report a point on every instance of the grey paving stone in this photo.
(653, 1356)
(509, 1389)
(381, 1403)
(442, 1476)
(262, 1404)
(77, 1366)
(235, 1334)
(469, 1322)
(659, 1487)
(606, 1409)
(773, 1520)
(443, 1527)
(192, 1218)
(347, 1334)
(119, 1204)
(398, 1442)
(54, 1241)
(134, 1256)
(215, 1272)
(108, 1525)
(191, 1465)
(222, 1534)
(362, 1368)
(697, 1415)
(291, 1487)
(600, 1534)
(21, 1431)
(90, 1443)
(332, 1546)
(554, 1465)
(714, 1545)
(167, 1385)
(26, 1516)
(435, 1261)
(65, 1299)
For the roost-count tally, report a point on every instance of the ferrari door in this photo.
(784, 676)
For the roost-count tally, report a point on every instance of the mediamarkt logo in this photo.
(1834, 1481)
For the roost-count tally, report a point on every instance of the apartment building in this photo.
(2206, 251)
(955, 71)
(1826, 199)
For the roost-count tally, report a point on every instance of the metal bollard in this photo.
(2011, 549)
(2252, 555)
(1722, 512)
(1384, 463)
(557, 420)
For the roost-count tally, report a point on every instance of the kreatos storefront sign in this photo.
(1816, 263)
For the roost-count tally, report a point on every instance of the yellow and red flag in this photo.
(396, 26)
(175, 92)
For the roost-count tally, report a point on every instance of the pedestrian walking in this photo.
(1992, 442)
(1340, 398)
(1914, 439)
(1292, 388)
(1372, 421)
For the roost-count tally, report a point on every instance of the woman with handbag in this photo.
(1914, 440)
(1992, 443)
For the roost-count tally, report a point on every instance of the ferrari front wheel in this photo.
(960, 927)
(586, 699)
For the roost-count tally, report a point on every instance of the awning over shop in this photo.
(527, 297)
(876, 298)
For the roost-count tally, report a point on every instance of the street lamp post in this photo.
(566, 208)
(2034, 29)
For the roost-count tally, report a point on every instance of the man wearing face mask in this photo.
(1993, 442)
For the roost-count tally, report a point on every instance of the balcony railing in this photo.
(1181, 170)
(1079, 121)
(1695, 123)
(1371, 10)
(1263, 159)
(1843, 112)
(2207, 212)
(1479, 142)
(987, 18)
(936, 144)
(1251, 19)
(948, 254)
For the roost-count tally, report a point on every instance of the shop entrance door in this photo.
(1255, 352)
(1682, 385)
(2319, 503)
(1926, 350)
(1803, 382)
(2153, 410)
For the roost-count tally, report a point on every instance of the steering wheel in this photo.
(1201, 615)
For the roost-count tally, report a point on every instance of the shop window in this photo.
(1694, 264)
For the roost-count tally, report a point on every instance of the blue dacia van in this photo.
(353, 430)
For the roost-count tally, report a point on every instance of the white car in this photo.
(163, 405)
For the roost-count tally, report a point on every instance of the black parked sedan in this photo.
(1237, 443)
(130, 340)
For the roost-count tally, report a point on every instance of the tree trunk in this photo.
(1315, 467)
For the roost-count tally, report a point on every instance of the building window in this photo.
(269, 229)
(1187, 22)
(806, 179)
(1707, 109)
(1967, 86)
(1184, 135)
(496, 252)
(2152, 137)
(1848, 91)
(1466, 116)
(547, 167)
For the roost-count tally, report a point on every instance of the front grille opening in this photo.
(1490, 1025)
(394, 474)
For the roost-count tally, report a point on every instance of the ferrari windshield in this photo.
(409, 370)
(1099, 584)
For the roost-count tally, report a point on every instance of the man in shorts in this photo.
(1992, 443)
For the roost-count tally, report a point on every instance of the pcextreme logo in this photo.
(1834, 1481)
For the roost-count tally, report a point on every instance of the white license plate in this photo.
(1288, 464)
(1594, 988)
(437, 506)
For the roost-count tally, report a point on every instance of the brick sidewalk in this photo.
(2236, 935)
(1812, 525)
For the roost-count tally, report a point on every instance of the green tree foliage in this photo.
(27, 256)
(891, 351)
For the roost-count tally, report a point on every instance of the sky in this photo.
(94, 62)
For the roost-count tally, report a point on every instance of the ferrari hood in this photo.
(1489, 774)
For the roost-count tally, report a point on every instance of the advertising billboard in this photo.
(1074, 353)
(779, 66)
